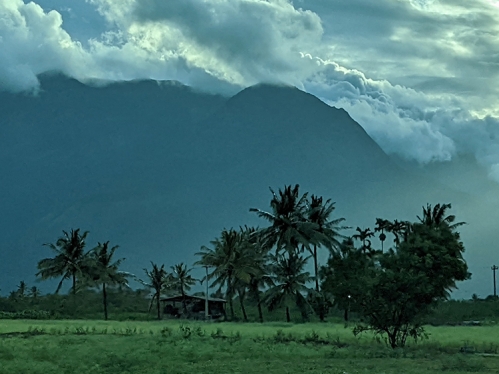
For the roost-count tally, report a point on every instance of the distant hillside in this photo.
(160, 168)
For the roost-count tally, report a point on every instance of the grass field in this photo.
(171, 347)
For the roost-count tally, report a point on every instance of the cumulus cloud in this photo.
(407, 122)
(433, 44)
(239, 41)
(395, 116)
(416, 74)
(32, 42)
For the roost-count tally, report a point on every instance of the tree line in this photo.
(390, 290)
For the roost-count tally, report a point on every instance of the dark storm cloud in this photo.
(394, 39)
(260, 39)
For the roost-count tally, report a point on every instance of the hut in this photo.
(172, 307)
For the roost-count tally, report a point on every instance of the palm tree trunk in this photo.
(74, 283)
(224, 313)
(231, 307)
(229, 295)
(259, 304)
(184, 304)
(104, 300)
(157, 307)
(241, 302)
(256, 293)
(316, 269)
(288, 318)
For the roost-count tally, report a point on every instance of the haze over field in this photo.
(419, 76)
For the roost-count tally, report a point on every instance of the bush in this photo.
(29, 314)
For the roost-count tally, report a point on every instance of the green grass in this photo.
(173, 347)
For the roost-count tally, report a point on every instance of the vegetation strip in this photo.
(389, 292)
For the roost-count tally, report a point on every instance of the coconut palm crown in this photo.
(69, 259)
(231, 264)
(289, 227)
(182, 281)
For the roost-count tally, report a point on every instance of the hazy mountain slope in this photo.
(160, 169)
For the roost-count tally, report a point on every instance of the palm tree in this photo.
(21, 289)
(260, 277)
(363, 236)
(288, 226)
(102, 270)
(289, 280)
(158, 280)
(70, 255)
(34, 292)
(381, 226)
(252, 251)
(327, 232)
(397, 228)
(436, 217)
(182, 280)
(230, 263)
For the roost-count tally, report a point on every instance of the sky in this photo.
(421, 76)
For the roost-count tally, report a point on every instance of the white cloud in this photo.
(239, 41)
(393, 115)
(31, 42)
(361, 55)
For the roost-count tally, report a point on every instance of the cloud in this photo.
(240, 41)
(403, 121)
(31, 42)
(411, 44)
(416, 74)
(396, 117)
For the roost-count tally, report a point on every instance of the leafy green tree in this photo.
(289, 283)
(183, 281)
(159, 280)
(398, 289)
(102, 271)
(70, 256)
(342, 274)
(231, 264)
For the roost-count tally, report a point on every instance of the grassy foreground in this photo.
(100, 347)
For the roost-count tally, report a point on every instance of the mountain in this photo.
(160, 168)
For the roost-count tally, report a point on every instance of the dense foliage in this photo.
(393, 292)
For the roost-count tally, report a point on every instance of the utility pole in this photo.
(494, 268)
(206, 309)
